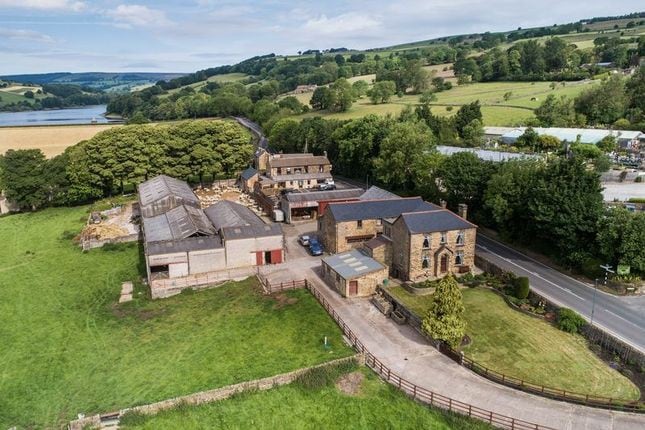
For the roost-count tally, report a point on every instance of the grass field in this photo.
(227, 77)
(52, 140)
(495, 110)
(376, 405)
(518, 345)
(67, 347)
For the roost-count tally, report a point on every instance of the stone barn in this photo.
(353, 274)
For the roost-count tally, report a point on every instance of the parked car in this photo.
(303, 240)
(326, 187)
(315, 247)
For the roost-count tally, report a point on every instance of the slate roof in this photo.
(184, 245)
(377, 242)
(376, 193)
(434, 220)
(377, 209)
(295, 160)
(352, 264)
(309, 196)
(248, 173)
(178, 223)
(236, 221)
(163, 186)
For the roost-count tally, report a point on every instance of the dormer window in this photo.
(443, 238)
(460, 238)
(426, 241)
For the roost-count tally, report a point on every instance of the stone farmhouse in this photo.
(187, 246)
(296, 171)
(414, 239)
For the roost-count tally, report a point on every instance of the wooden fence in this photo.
(416, 392)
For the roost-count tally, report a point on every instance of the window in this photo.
(459, 258)
(279, 171)
(288, 170)
(425, 263)
(359, 223)
(426, 241)
(460, 238)
(443, 237)
(320, 169)
(386, 230)
(300, 183)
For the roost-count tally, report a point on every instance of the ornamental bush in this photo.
(570, 321)
(522, 287)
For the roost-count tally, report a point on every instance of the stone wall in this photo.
(327, 232)
(202, 397)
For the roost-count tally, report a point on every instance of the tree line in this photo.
(554, 205)
(58, 96)
(115, 160)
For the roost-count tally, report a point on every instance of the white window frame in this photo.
(426, 240)
(444, 238)
(459, 258)
(461, 237)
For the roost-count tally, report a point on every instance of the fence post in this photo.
(490, 417)
(512, 423)
(414, 393)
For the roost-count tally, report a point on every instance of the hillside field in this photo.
(68, 347)
(373, 405)
(495, 110)
(52, 140)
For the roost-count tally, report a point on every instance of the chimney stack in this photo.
(443, 203)
(462, 210)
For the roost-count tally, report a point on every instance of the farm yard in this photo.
(52, 140)
(341, 399)
(496, 110)
(524, 347)
(75, 350)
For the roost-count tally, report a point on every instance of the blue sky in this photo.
(164, 36)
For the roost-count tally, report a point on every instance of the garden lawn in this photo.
(67, 347)
(376, 406)
(528, 348)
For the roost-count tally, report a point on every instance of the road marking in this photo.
(619, 317)
(562, 305)
(508, 260)
(543, 265)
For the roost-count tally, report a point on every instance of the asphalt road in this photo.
(623, 317)
(255, 128)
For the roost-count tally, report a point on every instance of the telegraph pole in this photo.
(593, 303)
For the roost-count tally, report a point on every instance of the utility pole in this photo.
(593, 303)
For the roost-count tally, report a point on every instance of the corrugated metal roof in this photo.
(164, 186)
(236, 221)
(184, 245)
(377, 209)
(315, 196)
(230, 214)
(295, 160)
(437, 220)
(178, 223)
(376, 193)
(352, 264)
(587, 135)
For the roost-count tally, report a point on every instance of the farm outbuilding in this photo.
(353, 274)
(188, 246)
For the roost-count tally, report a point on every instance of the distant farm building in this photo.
(186, 245)
(627, 139)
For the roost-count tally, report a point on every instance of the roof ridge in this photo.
(378, 200)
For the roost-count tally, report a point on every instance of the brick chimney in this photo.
(462, 210)
(443, 203)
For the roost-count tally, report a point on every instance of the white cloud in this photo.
(25, 35)
(44, 4)
(135, 15)
(344, 24)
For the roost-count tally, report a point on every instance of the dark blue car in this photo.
(315, 248)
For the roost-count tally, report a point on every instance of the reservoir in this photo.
(83, 115)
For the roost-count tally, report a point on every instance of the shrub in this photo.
(570, 321)
(522, 287)
(324, 376)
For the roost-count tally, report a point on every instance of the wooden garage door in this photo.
(276, 256)
(353, 288)
(259, 260)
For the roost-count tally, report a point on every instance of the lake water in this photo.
(82, 115)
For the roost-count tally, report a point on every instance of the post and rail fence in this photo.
(416, 392)
(458, 357)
